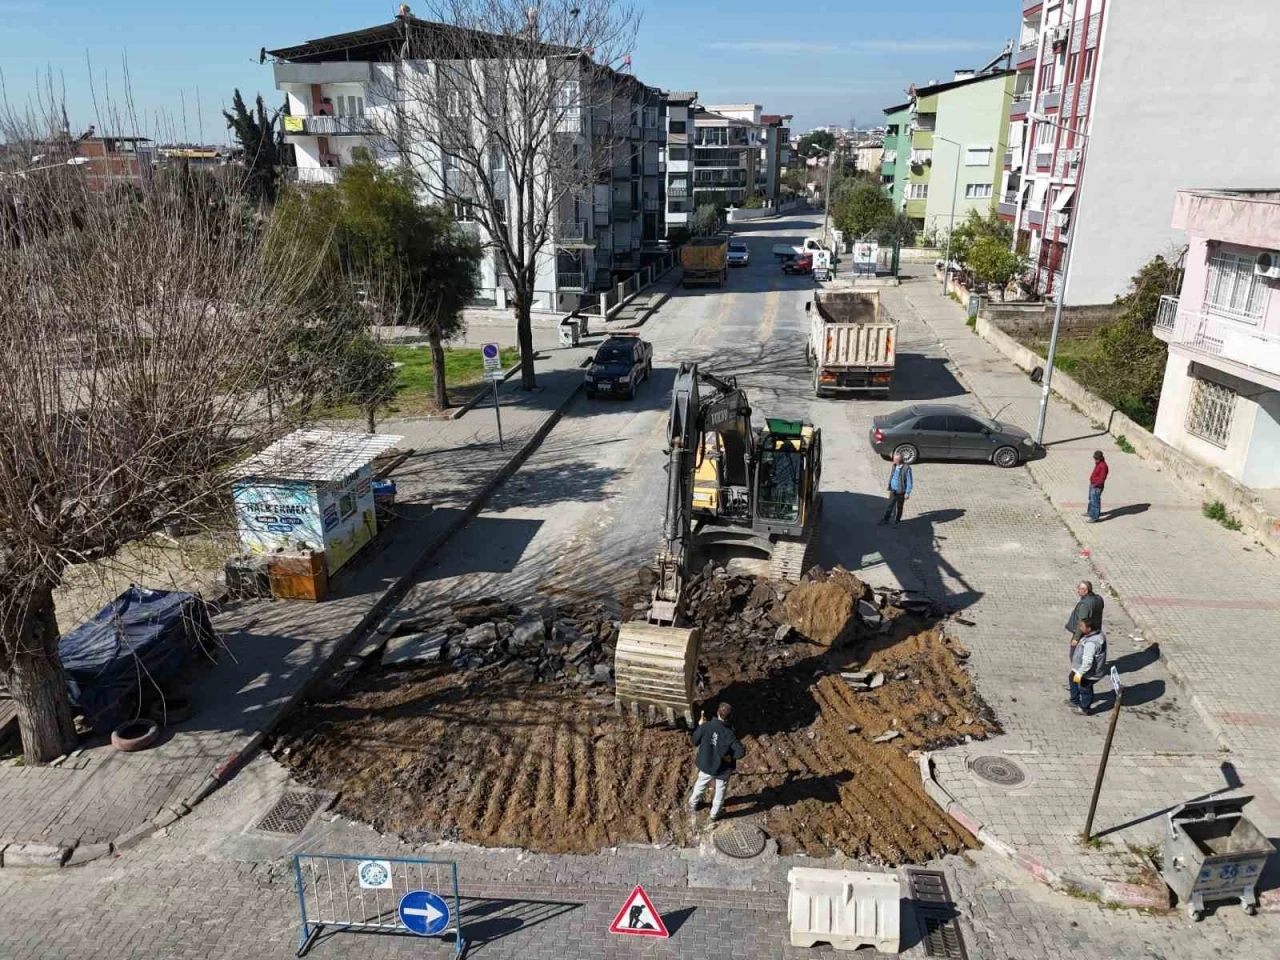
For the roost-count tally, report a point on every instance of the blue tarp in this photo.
(141, 639)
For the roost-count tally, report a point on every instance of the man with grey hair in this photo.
(1088, 608)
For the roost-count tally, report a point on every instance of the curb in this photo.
(1111, 892)
(70, 856)
(652, 309)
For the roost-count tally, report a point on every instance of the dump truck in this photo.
(705, 260)
(852, 341)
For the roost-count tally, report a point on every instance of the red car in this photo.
(803, 263)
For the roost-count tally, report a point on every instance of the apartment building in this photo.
(775, 155)
(896, 151)
(604, 229)
(681, 106)
(954, 132)
(867, 156)
(726, 153)
(1220, 401)
(1130, 92)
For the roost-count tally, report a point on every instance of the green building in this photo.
(897, 147)
(951, 139)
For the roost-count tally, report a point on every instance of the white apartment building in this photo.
(603, 232)
(1113, 104)
(681, 106)
(775, 155)
(726, 153)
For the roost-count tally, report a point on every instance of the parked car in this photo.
(619, 365)
(944, 432)
(801, 263)
(739, 253)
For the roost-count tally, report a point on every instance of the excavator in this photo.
(730, 488)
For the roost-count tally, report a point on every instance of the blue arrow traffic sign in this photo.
(423, 913)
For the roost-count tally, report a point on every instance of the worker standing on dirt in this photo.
(719, 751)
(899, 490)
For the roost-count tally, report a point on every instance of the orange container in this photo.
(298, 576)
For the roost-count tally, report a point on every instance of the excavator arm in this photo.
(724, 410)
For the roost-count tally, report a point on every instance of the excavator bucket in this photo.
(654, 668)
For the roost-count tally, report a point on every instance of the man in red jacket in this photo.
(1097, 480)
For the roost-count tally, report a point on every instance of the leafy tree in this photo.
(753, 202)
(707, 219)
(861, 208)
(974, 228)
(824, 140)
(262, 143)
(991, 261)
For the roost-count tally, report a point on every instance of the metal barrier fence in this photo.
(366, 894)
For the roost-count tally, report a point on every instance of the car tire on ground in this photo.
(134, 735)
(1005, 457)
(908, 452)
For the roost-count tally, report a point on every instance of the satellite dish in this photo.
(262, 55)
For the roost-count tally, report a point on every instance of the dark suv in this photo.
(619, 365)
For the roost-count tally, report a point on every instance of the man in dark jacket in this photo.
(1088, 607)
(719, 751)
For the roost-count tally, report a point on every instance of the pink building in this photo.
(1221, 397)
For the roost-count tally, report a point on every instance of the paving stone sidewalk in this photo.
(1185, 598)
(272, 649)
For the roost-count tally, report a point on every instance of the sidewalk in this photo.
(1203, 605)
(273, 650)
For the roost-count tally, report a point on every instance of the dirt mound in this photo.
(507, 747)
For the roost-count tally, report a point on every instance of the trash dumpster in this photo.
(570, 333)
(1213, 852)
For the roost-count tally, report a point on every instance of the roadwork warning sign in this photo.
(638, 918)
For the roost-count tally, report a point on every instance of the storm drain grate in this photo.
(937, 914)
(741, 841)
(998, 770)
(292, 812)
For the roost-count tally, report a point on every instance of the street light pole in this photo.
(826, 197)
(1062, 290)
(955, 188)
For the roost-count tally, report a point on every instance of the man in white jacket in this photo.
(1088, 663)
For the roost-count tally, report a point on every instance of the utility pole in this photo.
(1062, 289)
(955, 188)
(826, 197)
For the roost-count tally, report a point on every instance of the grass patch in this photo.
(955, 297)
(1123, 443)
(971, 322)
(1079, 358)
(1218, 511)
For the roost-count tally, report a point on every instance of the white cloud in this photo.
(803, 47)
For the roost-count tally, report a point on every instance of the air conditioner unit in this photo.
(1268, 265)
(1058, 35)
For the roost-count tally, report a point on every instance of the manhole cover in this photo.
(292, 812)
(999, 770)
(740, 840)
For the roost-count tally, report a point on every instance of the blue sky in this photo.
(824, 62)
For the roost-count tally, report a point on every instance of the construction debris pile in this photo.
(503, 731)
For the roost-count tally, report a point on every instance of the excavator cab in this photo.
(787, 471)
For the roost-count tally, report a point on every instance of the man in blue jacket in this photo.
(899, 490)
(719, 751)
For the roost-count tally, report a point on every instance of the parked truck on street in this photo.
(705, 260)
(852, 341)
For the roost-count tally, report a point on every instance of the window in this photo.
(1088, 63)
(349, 106)
(1072, 62)
(917, 191)
(453, 103)
(677, 153)
(500, 211)
(932, 423)
(977, 191)
(1209, 415)
(1233, 288)
(678, 126)
(452, 161)
(920, 157)
(464, 210)
(568, 97)
(977, 157)
(965, 425)
(1046, 77)
(346, 505)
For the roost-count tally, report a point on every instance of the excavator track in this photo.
(792, 556)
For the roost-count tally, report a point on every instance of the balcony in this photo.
(1031, 6)
(1025, 58)
(601, 129)
(573, 233)
(1020, 107)
(570, 281)
(325, 175)
(338, 71)
(600, 216)
(652, 205)
(1050, 99)
(1035, 219)
(1236, 346)
(622, 210)
(1044, 157)
(634, 132)
(1007, 208)
(327, 126)
(1008, 159)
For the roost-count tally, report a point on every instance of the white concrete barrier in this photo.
(845, 908)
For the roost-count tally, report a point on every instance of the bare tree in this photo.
(509, 113)
(139, 339)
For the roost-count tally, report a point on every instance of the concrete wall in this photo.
(1025, 321)
(1203, 479)
(973, 115)
(1168, 114)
